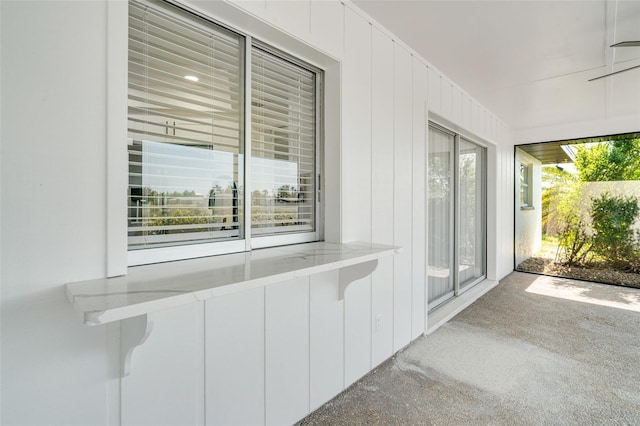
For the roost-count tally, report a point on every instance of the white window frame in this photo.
(525, 193)
(117, 261)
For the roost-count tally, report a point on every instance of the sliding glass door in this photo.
(471, 211)
(456, 214)
(440, 210)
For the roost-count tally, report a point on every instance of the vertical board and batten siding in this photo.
(402, 192)
(456, 115)
(234, 358)
(504, 216)
(466, 111)
(356, 186)
(291, 16)
(446, 98)
(267, 355)
(419, 198)
(434, 92)
(287, 351)
(327, 27)
(382, 168)
(168, 357)
(326, 348)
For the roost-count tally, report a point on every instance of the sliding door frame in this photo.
(454, 231)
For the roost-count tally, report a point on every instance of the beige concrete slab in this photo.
(534, 350)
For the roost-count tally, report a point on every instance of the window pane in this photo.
(524, 184)
(283, 140)
(456, 215)
(471, 235)
(440, 215)
(185, 129)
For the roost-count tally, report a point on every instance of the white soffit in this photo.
(527, 61)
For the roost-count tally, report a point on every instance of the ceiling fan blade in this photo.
(627, 44)
(613, 73)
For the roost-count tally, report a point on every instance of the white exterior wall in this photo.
(528, 230)
(262, 356)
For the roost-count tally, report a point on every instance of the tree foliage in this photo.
(595, 227)
(559, 184)
(611, 161)
(572, 225)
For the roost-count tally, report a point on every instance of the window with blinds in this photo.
(186, 134)
(283, 140)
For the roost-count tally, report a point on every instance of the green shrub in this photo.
(576, 241)
(614, 239)
(572, 225)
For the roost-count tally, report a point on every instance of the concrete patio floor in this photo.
(534, 350)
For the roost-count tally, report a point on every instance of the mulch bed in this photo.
(595, 272)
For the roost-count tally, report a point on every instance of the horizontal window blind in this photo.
(185, 129)
(283, 141)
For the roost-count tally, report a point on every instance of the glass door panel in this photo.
(456, 221)
(440, 168)
(471, 208)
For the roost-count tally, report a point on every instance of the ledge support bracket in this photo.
(349, 274)
(133, 333)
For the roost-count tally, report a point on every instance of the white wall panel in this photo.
(402, 197)
(493, 127)
(166, 384)
(446, 100)
(54, 369)
(505, 201)
(382, 194)
(475, 117)
(50, 357)
(291, 16)
(235, 346)
(485, 123)
(287, 351)
(528, 232)
(326, 328)
(493, 174)
(356, 186)
(357, 330)
(435, 104)
(327, 26)
(456, 106)
(382, 312)
(466, 111)
(255, 7)
(419, 219)
(356, 129)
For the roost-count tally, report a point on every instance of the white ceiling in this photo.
(527, 61)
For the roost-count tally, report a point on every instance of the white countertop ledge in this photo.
(151, 288)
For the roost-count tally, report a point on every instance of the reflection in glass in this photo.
(283, 142)
(471, 234)
(185, 129)
(440, 215)
(181, 193)
(456, 215)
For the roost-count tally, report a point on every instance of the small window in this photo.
(201, 172)
(525, 185)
